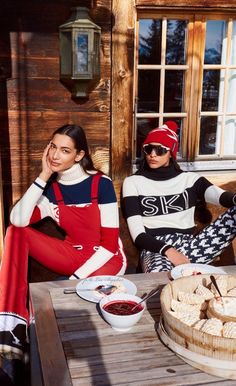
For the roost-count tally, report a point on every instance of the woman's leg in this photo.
(212, 240)
(116, 265)
(203, 248)
(13, 290)
(55, 254)
(19, 243)
(154, 262)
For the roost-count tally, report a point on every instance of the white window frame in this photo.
(194, 64)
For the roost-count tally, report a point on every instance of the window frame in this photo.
(193, 80)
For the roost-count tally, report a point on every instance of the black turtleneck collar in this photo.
(160, 174)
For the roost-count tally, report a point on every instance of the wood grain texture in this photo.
(122, 88)
(96, 354)
(188, 3)
(50, 343)
(2, 225)
(196, 80)
(29, 132)
(33, 101)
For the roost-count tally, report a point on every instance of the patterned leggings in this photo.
(202, 248)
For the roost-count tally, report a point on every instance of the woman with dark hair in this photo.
(159, 202)
(83, 203)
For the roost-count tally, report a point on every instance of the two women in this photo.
(160, 200)
(83, 203)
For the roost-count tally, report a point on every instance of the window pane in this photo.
(210, 92)
(233, 45)
(230, 136)
(144, 125)
(207, 143)
(176, 41)
(148, 91)
(149, 46)
(231, 102)
(179, 132)
(174, 83)
(215, 34)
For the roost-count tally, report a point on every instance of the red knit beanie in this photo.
(165, 135)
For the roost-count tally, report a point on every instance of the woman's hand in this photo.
(176, 257)
(46, 169)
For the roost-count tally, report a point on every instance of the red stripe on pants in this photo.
(57, 255)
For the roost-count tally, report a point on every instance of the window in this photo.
(186, 71)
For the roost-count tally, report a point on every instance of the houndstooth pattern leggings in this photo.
(202, 248)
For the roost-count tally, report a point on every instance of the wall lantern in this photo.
(79, 52)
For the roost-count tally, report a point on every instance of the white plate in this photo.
(178, 271)
(92, 282)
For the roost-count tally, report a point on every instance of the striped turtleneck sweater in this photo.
(163, 201)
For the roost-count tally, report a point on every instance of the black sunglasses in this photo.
(159, 150)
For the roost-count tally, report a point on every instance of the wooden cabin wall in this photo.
(208, 4)
(33, 101)
(122, 90)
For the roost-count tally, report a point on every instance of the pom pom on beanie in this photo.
(164, 135)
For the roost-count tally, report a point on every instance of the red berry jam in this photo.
(122, 307)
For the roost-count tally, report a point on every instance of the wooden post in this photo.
(122, 90)
(2, 228)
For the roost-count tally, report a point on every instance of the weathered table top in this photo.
(77, 347)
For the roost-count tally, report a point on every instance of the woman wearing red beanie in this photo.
(159, 203)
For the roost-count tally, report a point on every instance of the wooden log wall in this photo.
(197, 4)
(33, 101)
(2, 224)
(122, 89)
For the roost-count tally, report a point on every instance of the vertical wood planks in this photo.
(122, 89)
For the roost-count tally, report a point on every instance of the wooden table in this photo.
(77, 347)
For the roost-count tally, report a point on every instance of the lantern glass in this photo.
(65, 51)
(79, 52)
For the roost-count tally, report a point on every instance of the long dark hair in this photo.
(77, 134)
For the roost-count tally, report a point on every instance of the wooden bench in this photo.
(39, 273)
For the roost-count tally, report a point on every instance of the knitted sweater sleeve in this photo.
(213, 194)
(25, 211)
(133, 215)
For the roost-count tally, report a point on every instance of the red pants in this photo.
(57, 255)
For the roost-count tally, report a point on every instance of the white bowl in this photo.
(121, 322)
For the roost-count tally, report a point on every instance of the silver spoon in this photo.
(149, 295)
(105, 289)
